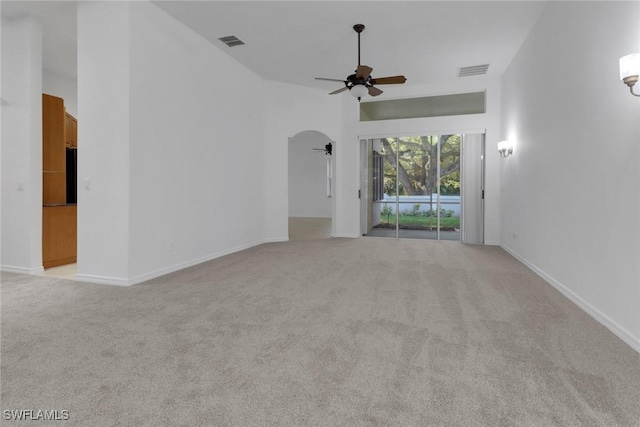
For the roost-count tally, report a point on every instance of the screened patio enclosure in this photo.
(426, 187)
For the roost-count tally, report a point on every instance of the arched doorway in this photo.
(311, 168)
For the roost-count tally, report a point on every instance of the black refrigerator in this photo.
(72, 175)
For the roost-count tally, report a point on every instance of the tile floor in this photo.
(67, 271)
(309, 228)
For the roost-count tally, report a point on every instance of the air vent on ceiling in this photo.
(231, 41)
(473, 70)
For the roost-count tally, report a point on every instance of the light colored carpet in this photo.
(332, 332)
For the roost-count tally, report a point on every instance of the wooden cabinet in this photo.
(59, 235)
(54, 174)
(59, 230)
(71, 130)
(53, 134)
(54, 188)
(59, 132)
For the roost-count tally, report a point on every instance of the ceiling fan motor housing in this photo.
(352, 80)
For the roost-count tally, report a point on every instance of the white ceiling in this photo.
(295, 41)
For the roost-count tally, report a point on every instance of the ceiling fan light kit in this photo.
(361, 83)
(359, 91)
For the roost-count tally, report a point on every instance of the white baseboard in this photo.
(102, 280)
(116, 281)
(276, 239)
(491, 243)
(22, 270)
(612, 325)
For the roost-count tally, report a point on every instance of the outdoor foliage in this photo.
(386, 211)
(417, 171)
(417, 222)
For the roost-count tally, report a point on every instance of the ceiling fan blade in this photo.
(342, 89)
(363, 72)
(330, 80)
(374, 91)
(389, 80)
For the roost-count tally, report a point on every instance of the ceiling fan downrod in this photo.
(358, 28)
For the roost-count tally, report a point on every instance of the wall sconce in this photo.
(505, 148)
(630, 70)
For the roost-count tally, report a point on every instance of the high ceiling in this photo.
(295, 41)
(59, 39)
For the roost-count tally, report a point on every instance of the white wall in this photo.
(172, 146)
(104, 141)
(353, 129)
(21, 149)
(197, 147)
(63, 87)
(291, 109)
(308, 176)
(158, 148)
(576, 133)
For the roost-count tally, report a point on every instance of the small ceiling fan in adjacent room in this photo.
(327, 149)
(361, 83)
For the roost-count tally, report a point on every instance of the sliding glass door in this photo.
(429, 186)
(412, 187)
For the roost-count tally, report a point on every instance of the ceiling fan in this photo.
(327, 149)
(361, 82)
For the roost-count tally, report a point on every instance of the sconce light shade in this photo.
(505, 148)
(630, 70)
(359, 91)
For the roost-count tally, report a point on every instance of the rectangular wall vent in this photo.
(231, 41)
(474, 70)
